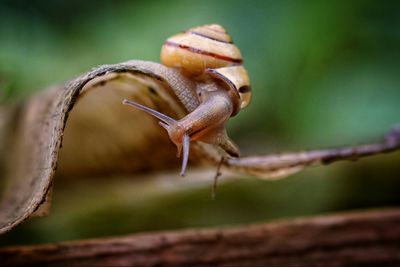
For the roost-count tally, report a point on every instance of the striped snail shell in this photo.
(209, 49)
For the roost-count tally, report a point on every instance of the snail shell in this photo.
(237, 79)
(200, 48)
(209, 50)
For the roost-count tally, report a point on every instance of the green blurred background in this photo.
(324, 73)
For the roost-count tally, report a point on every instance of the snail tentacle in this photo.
(167, 120)
(185, 158)
(179, 137)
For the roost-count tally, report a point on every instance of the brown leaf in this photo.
(102, 135)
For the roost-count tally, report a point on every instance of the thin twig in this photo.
(217, 175)
(281, 165)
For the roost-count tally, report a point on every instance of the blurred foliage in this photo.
(323, 73)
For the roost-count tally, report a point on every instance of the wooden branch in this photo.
(281, 165)
(359, 238)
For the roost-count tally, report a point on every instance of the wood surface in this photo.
(358, 238)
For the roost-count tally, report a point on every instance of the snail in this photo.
(207, 55)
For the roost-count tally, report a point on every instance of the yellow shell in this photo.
(199, 48)
(209, 49)
(237, 79)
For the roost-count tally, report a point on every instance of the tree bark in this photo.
(368, 238)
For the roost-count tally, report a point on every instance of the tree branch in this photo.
(282, 165)
(347, 239)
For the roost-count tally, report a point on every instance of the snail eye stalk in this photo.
(168, 124)
(164, 118)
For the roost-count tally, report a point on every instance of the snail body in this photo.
(207, 55)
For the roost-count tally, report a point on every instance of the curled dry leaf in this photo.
(100, 135)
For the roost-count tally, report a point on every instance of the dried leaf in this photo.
(101, 136)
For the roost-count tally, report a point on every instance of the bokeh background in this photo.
(324, 73)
